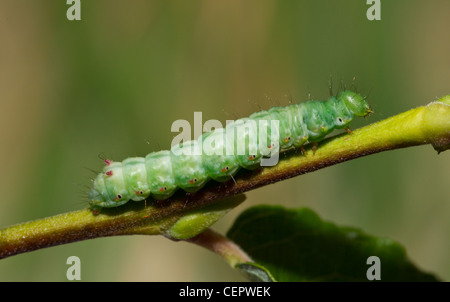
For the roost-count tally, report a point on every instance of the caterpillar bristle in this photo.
(101, 156)
(233, 179)
(92, 170)
(330, 85)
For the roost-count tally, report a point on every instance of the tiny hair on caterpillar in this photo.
(219, 154)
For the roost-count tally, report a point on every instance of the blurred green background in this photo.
(114, 82)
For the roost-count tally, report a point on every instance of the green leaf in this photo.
(296, 245)
(255, 272)
(193, 223)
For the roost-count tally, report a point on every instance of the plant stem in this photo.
(222, 246)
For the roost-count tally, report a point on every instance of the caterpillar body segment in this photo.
(218, 156)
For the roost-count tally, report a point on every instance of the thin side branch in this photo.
(222, 246)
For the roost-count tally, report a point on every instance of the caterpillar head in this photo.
(355, 102)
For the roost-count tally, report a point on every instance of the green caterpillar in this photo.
(219, 154)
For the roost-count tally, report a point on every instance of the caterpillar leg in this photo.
(303, 150)
(314, 147)
(349, 131)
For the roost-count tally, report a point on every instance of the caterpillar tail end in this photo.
(97, 201)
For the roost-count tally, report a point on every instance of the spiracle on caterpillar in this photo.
(241, 144)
